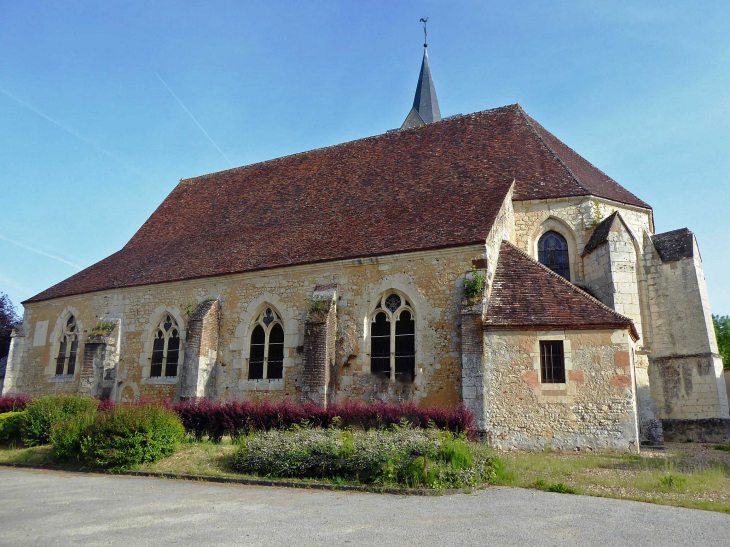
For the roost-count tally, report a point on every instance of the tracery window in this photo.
(266, 358)
(393, 339)
(66, 360)
(165, 348)
(552, 251)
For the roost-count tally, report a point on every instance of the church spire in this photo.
(425, 103)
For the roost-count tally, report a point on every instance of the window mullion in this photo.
(392, 348)
(164, 354)
(66, 355)
(265, 374)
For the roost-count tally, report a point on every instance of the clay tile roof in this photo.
(674, 245)
(600, 234)
(439, 185)
(583, 174)
(526, 294)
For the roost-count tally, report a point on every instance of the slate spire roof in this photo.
(527, 295)
(425, 103)
(399, 192)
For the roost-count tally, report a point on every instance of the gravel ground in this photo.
(692, 456)
(53, 508)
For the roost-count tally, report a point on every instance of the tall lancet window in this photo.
(266, 358)
(66, 360)
(165, 348)
(552, 250)
(393, 339)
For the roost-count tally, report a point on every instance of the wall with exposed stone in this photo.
(574, 218)
(595, 407)
(432, 281)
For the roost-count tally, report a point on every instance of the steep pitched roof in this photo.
(435, 186)
(600, 234)
(587, 179)
(425, 102)
(526, 294)
(674, 245)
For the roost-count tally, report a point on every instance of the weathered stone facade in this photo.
(432, 281)
(593, 408)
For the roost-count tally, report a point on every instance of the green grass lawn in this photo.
(666, 478)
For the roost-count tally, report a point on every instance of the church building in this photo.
(474, 258)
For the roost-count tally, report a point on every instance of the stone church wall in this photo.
(686, 373)
(575, 219)
(432, 281)
(594, 408)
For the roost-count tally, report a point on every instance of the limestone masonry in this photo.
(473, 259)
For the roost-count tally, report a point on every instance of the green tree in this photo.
(8, 321)
(722, 331)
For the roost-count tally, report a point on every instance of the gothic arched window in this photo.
(266, 358)
(165, 348)
(393, 339)
(66, 360)
(552, 251)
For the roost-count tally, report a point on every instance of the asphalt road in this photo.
(53, 508)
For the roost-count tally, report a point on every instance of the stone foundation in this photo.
(709, 430)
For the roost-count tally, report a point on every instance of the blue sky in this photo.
(92, 136)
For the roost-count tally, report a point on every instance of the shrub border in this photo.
(254, 482)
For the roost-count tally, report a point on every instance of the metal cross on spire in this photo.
(425, 34)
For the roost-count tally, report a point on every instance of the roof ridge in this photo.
(525, 116)
(362, 139)
(672, 231)
(567, 283)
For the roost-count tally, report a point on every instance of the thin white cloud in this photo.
(39, 252)
(9, 282)
(70, 131)
(193, 118)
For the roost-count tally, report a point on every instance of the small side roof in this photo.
(600, 234)
(674, 245)
(527, 295)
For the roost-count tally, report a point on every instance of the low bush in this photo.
(202, 417)
(13, 403)
(401, 456)
(10, 423)
(43, 412)
(67, 434)
(124, 436)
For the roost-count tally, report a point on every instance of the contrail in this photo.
(17, 287)
(74, 133)
(193, 117)
(39, 252)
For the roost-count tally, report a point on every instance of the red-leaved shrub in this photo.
(13, 403)
(203, 417)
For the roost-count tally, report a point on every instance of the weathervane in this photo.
(425, 35)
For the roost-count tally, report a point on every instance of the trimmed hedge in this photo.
(13, 403)
(400, 456)
(41, 413)
(202, 417)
